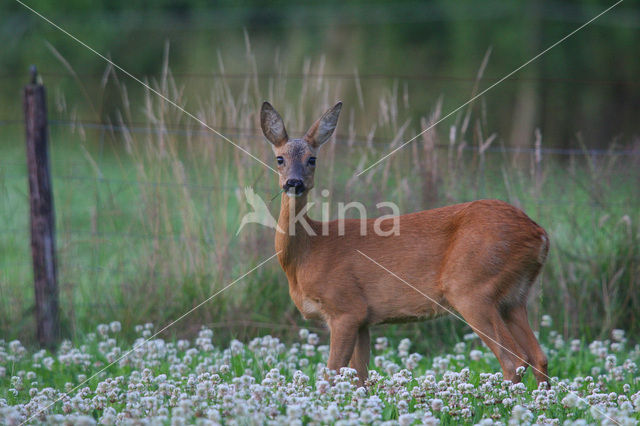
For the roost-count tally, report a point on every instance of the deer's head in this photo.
(296, 158)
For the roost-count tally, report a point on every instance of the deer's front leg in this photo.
(344, 333)
(361, 354)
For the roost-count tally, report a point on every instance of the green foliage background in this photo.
(585, 85)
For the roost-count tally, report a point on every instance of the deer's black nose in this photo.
(297, 184)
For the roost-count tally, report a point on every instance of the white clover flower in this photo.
(475, 355)
(333, 411)
(460, 347)
(381, 344)
(440, 363)
(322, 386)
(598, 412)
(575, 345)
(470, 336)
(378, 361)
(115, 326)
(236, 347)
(303, 334)
(520, 414)
(617, 335)
(205, 333)
(294, 411)
(324, 351)
(412, 361)
(270, 360)
(83, 420)
(630, 366)
(109, 416)
(465, 413)
(403, 347)
(406, 419)
(430, 420)
(391, 368)
(436, 404)
(545, 321)
(610, 362)
(313, 339)
(367, 416)
(16, 382)
(570, 400)
(183, 345)
(309, 350)
(626, 406)
(103, 330)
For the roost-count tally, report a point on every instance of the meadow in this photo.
(102, 379)
(148, 204)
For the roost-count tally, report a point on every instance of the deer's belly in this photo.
(416, 310)
(422, 316)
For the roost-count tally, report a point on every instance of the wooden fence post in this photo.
(42, 214)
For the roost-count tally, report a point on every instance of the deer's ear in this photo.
(322, 129)
(272, 125)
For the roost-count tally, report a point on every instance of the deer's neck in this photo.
(292, 239)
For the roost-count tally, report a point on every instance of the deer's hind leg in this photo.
(518, 323)
(486, 321)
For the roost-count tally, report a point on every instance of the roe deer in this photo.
(479, 258)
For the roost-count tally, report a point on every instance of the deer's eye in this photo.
(312, 161)
(280, 160)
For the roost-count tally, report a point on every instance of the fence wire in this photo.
(186, 76)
